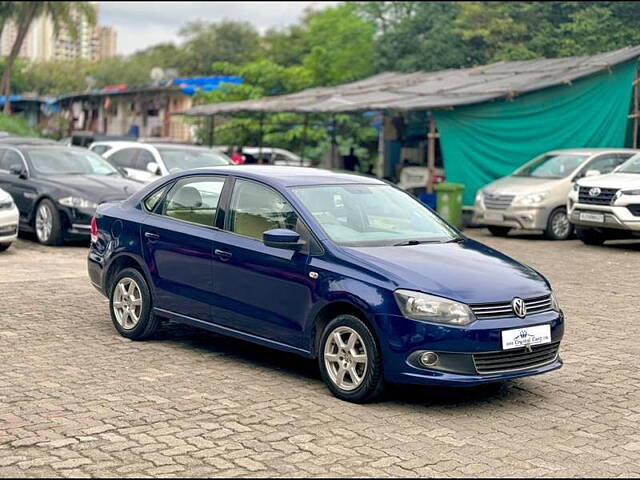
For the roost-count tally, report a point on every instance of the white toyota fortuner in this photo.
(607, 207)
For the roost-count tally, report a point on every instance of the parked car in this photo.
(57, 188)
(607, 207)
(344, 268)
(145, 162)
(270, 155)
(8, 220)
(534, 197)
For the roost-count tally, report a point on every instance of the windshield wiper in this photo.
(454, 240)
(414, 242)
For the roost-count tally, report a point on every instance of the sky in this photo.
(142, 24)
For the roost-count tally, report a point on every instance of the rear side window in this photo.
(151, 202)
(194, 200)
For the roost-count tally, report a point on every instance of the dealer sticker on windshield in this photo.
(521, 337)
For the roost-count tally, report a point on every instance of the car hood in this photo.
(468, 271)
(612, 180)
(520, 185)
(96, 188)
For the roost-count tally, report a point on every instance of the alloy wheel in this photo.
(560, 225)
(345, 358)
(44, 223)
(127, 303)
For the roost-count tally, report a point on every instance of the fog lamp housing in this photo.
(428, 359)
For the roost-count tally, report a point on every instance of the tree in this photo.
(24, 13)
(225, 41)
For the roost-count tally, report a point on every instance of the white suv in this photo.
(9, 218)
(607, 207)
(145, 162)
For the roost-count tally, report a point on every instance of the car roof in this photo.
(20, 141)
(595, 150)
(291, 176)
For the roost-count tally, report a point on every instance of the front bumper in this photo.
(9, 219)
(78, 223)
(525, 218)
(459, 348)
(617, 217)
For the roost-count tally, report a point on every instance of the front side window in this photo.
(630, 166)
(125, 158)
(372, 215)
(256, 208)
(194, 200)
(69, 162)
(100, 149)
(176, 159)
(10, 159)
(551, 166)
(606, 164)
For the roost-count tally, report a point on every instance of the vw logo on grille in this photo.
(519, 307)
(594, 192)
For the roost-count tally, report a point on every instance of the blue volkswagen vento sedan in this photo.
(343, 268)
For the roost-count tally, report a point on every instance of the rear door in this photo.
(258, 289)
(177, 241)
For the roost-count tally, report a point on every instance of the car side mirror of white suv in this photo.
(592, 173)
(152, 167)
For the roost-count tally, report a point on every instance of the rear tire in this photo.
(558, 226)
(4, 246)
(130, 305)
(589, 236)
(350, 361)
(499, 231)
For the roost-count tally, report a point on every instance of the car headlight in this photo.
(77, 202)
(554, 302)
(575, 187)
(6, 204)
(629, 192)
(420, 306)
(479, 196)
(532, 198)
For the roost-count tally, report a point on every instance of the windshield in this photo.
(630, 166)
(551, 166)
(176, 159)
(372, 215)
(69, 162)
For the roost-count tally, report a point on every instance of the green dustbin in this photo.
(449, 202)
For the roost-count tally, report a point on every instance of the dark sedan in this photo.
(57, 189)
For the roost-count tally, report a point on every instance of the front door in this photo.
(261, 290)
(178, 243)
(22, 190)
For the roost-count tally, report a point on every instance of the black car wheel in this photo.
(350, 361)
(558, 226)
(130, 304)
(499, 231)
(4, 246)
(47, 223)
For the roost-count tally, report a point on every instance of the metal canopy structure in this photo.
(429, 90)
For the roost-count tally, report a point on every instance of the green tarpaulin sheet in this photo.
(483, 142)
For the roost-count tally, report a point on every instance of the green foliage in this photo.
(17, 125)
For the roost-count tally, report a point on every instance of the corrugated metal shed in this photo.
(427, 90)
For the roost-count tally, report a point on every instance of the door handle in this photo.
(223, 254)
(151, 236)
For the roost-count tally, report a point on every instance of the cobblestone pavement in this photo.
(78, 400)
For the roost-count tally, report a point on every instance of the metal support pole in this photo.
(304, 137)
(636, 111)
(333, 163)
(212, 132)
(260, 140)
(431, 152)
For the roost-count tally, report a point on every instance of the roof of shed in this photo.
(427, 90)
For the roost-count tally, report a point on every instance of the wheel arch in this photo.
(120, 262)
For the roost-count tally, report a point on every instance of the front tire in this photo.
(497, 231)
(589, 236)
(350, 361)
(558, 226)
(47, 223)
(130, 304)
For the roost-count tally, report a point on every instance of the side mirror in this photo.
(18, 171)
(592, 173)
(153, 167)
(282, 238)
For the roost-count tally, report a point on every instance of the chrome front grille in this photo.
(515, 359)
(604, 195)
(494, 201)
(535, 305)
